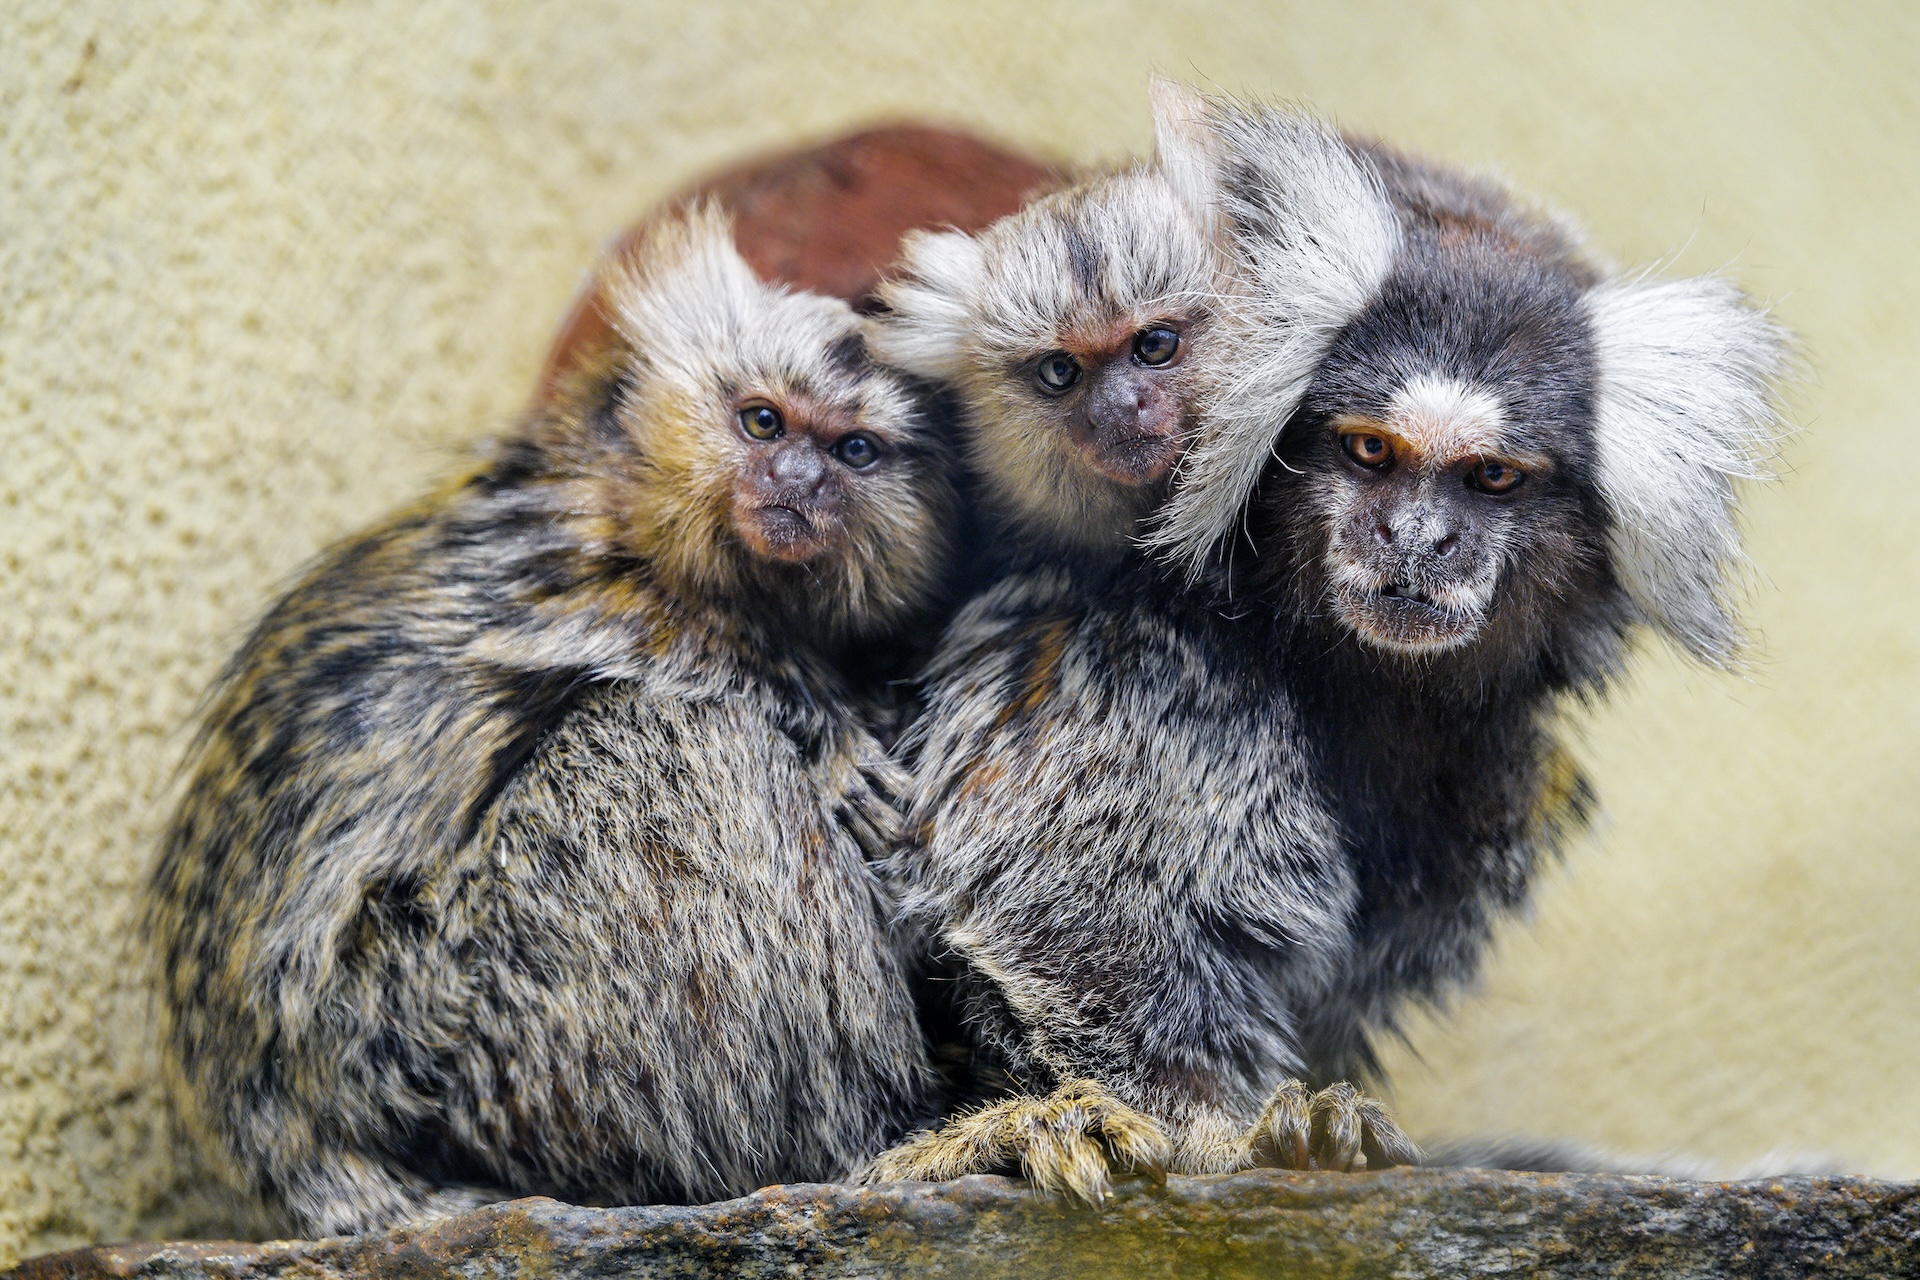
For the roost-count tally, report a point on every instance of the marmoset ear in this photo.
(1311, 236)
(928, 324)
(682, 276)
(1685, 407)
(1187, 148)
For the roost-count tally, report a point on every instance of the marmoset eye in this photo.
(1156, 346)
(1367, 450)
(857, 451)
(762, 422)
(1494, 476)
(1057, 372)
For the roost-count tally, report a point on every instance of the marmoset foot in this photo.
(870, 791)
(1331, 1129)
(1068, 1141)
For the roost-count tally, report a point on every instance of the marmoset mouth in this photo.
(781, 532)
(1136, 459)
(1405, 618)
(776, 513)
(1400, 591)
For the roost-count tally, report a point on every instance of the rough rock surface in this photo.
(1402, 1224)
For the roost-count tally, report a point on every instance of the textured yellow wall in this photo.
(262, 269)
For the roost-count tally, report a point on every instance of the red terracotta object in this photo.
(830, 218)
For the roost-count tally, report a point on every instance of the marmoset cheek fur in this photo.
(525, 842)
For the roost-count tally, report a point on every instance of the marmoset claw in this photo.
(1069, 1141)
(1331, 1129)
(870, 800)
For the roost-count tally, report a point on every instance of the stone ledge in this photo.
(1406, 1224)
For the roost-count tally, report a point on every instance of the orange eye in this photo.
(1368, 451)
(1495, 476)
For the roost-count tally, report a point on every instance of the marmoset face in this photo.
(1439, 468)
(771, 457)
(804, 467)
(1069, 331)
(1424, 511)
(1112, 394)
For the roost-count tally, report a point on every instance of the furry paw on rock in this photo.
(1070, 1141)
(1330, 1129)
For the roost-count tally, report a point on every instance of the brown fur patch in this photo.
(1041, 678)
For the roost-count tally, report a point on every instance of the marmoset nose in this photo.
(799, 466)
(1422, 533)
(1126, 407)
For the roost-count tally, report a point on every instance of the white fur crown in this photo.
(1326, 237)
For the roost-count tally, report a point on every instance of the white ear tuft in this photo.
(929, 316)
(1684, 407)
(1311, 237)
(1188, 151)
(687, 252)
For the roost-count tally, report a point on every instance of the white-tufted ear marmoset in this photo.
(1074, 336)
(524, 846)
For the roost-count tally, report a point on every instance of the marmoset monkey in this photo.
(1200, 830)
(519, 852)
(1072, 335)
(1067, 331)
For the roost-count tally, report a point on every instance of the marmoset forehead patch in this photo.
(1443, 420)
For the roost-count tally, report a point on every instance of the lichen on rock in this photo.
(1406, 1224)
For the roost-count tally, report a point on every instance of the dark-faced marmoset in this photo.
(523, 846)
(1197, 828)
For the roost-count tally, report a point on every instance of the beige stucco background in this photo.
(263, 267)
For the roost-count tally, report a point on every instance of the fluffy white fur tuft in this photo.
(690, 308)
(1684, 409)
(684, 270)
(941, 273)
(1187, 150)
(1312, 235)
